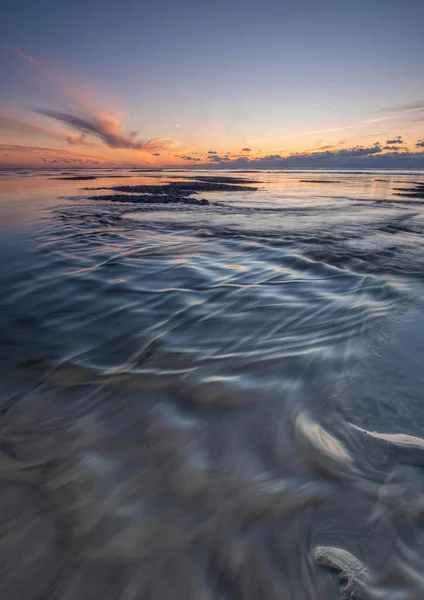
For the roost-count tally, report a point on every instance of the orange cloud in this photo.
(165, 144)
(108, 130)
(77, 106)
(78, 140)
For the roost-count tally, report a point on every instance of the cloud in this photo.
(18, 126)
(212, 152)
(219, 159)
(246, 150)
(190, 158)
(397, 140)
(347, 158)
(156, 144)
(19, 148)
(407, 114)
(106, 129)
(419, 105)
(27, 125)
(23, 148)
(78, 140)
(68, 155)
(77, 106)
(156, 154)
(395, 148)
(78, 161)
(357, 151)
(318, 131)
(378, 120)
(330, 143)
(26, 57)
(420, 144)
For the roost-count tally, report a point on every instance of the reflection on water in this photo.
(212, 401)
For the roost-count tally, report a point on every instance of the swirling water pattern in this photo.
(217, 399)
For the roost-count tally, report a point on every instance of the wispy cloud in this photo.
(378, 119)
(319, 131)
(48, 153)
(403, 114)
(328, 147)
(24, 124)
(419, 105)
(108, 130)
(77, 105)
(78, 140)
(165, 144)
(406, 114)
(347, 127)
(17, 126)
(23, 55)
(323, 144)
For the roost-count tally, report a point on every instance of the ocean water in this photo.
(211, 389)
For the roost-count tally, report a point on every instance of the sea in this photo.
(211, 385)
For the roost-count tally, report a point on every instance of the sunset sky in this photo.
(272, 83)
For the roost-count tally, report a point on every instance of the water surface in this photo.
(212, 400)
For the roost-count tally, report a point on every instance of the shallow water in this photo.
(202, 401)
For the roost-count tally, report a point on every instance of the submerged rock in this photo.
(77, 178)
(148, 199)
(413, 192)
(350, 571)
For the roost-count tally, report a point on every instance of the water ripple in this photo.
(222, 398)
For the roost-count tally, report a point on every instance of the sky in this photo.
(234, 84)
